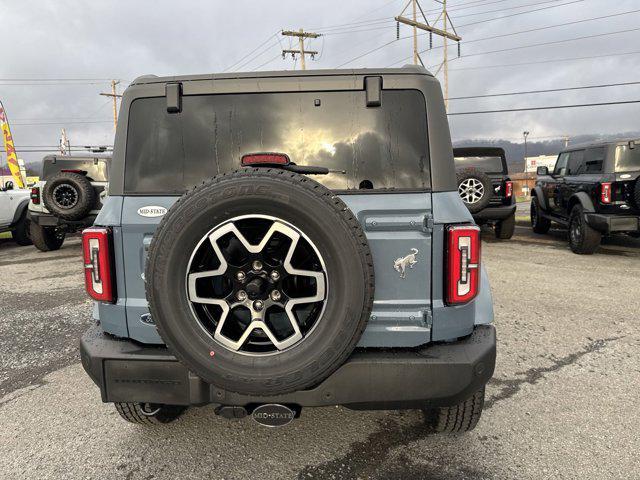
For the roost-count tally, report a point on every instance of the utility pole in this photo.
(114, 95)
(415, 33)
(301, 34)
(566, 141)
(444, 32)
(445, 59)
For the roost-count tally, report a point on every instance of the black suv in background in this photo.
(594, 190)
(485, 187)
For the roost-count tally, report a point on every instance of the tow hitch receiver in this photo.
(273, 415)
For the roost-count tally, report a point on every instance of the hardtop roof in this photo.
(405, 70)
(599, 143)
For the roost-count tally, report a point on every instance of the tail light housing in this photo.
(508, 189)
(98, 277)
(463, 263)
(35, 195)
(606, 192)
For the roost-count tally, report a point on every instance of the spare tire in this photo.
(260, 281)
(475, 188)
(69, 195)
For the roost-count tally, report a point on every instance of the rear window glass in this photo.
(628, 159)
(96, 170)
(384, 147)
(484, 164)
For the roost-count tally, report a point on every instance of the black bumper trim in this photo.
(437, 375)
(495, 212)
(48, 220)
(607, 223)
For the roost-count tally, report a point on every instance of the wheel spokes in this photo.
(258, 320)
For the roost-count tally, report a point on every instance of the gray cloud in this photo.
(125, 39)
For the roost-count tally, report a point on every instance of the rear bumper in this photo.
(495, 213)
(613, 223)
(48, 220)
(438, 375)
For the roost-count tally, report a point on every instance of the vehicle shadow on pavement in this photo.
(332, 438)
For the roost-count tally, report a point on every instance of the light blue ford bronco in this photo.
(280, 240)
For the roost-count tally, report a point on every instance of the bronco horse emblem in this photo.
(401, 264)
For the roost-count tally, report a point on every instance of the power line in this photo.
(386, 23)
(423, 51)
(275, 34)
(555, 42)
(590, 57)
(258, 55)
(531, 30)
(586, 87)
(482, 3)
(521, 13)
(475, 40)
(550, 107)
(268, 61)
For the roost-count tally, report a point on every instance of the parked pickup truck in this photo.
(280, 240)
(593, 190)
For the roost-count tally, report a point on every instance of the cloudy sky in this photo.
(47, 43)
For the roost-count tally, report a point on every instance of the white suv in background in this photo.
(13, 213)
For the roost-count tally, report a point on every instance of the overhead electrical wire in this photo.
(435, 10)
(530, 30)
(554, 42)
(384, 24)
(548, 107)
(550, 90)
(252, 51)
(411, 36)
(536, 62)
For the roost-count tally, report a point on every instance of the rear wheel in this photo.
(21, 232)
(458, 418)
(505, 228)
(69, 195)
(148, 413)
(46, 239)
(583, 239)
(539, 224)
(475, 189)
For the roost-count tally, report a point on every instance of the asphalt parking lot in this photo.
(562, 404)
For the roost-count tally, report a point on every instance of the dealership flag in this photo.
(10, 149)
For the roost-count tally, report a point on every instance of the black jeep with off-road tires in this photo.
(67, 198)
(280, 240)
(593, 190)
(485, 187)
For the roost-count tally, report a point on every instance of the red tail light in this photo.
(35, 195)
(508, 189)
(264, 159)
(98, 278)
(463, 263)
(606, 192)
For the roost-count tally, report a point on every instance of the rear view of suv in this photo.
(593, 190)
(67, 198)
(485, 187)
(279, 240)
